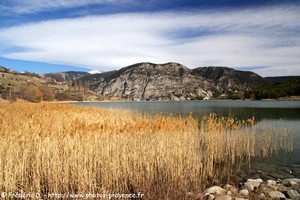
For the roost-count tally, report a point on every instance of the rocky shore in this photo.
(253, 189)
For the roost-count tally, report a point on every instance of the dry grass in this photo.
(60, 148)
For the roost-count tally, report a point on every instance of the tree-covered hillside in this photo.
(277, 87)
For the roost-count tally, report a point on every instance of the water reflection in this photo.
(289, 110)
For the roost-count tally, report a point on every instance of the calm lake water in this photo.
(277, 115)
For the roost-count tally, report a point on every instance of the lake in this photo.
(269, 114)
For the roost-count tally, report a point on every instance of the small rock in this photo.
(229, 193)
(281, 188)
(261, 196)
(231, 188)
(238, 198)
(244, 192)
(223, 197)
(293, 194)
(276, 195)
(264, 188)
(278, 180)
(253, 184)
(291, 181)
(271, 182)
(228, 187)
(259, 180)
(249, 186)
(215, 190)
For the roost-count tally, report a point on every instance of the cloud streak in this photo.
(32, 6)
(250, 37)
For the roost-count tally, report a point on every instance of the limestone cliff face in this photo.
(171, 81)
(148, 81)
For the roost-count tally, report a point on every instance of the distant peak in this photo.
(94, 72)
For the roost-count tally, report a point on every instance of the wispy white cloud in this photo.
(32, 6)
(249, 37)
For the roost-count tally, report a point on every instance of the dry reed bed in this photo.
(63, 148)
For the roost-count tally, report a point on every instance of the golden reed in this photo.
(58, 148)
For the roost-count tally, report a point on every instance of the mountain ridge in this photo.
(173, 81)
(147, 81)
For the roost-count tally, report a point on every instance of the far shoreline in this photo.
(289, 99)
(144, 101)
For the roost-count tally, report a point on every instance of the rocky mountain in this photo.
(148, 81)
(171, 81)
(67, 76)
(229, 79)
(141, 81)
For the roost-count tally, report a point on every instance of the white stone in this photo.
(244, 192)
(293, 194)
(228, 187)
(215, 190)
(291, 181)
(271, 182)
(259, 180)
(251, 184)
(276, 195)
(231, 188)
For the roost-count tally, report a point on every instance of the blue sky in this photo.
(59, 35)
